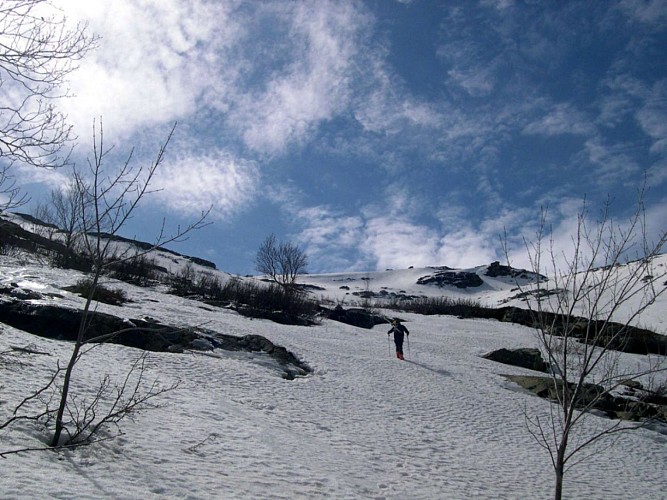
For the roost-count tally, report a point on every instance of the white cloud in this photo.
(476, 82)
(657, 173)
(329, 236)
(623, 93)
(313, 87)
(389, 236)
(190, 184)
(646, 11)
(397, 243)
(51, 178)
(155, 60)
(570, 217)
(629, 96)
(466, 248)
(562, 119)
(656, 225)
(498, 4)
(652, 117)
(612, 162)
(386, 108)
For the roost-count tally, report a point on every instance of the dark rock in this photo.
(630, 339)
(307, 287)
(281, 317)
(459, 279)
(355, 317)
(593, 396)
(495, 269)
(19, 293)
(525, 358)
(148, 334)
(292, 365)
(632, 384)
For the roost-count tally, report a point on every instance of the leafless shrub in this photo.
(98, 292)
(139, 270)
(282, 262)
(110, 200)
(582, 354)
(111, 403)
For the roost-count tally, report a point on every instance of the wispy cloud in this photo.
(329, 237)
(154, 63)
(192, 183)
(646, 11)
(611, 161)
(522, 102)
(390, 235)
(562, 119)
(387, 108)
(652, 117)
(312, 86)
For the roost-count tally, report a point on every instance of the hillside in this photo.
(446, 423)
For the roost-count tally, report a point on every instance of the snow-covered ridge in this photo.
(492, 285)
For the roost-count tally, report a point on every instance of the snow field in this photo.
(443, 424)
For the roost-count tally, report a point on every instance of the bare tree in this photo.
(583, 315)
(10, 194)
(69, 205)
(63, 214)
(38, 50)
(111, 199)
(282, 262)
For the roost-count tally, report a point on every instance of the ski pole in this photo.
(409, 353)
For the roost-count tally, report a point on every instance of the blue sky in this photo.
(377, 134)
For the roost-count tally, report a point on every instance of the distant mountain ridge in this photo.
(9, 228)
(492, 285)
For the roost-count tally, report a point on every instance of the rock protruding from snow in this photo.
(355, 317)
(147, 334)
(529, 358)
(458, 279)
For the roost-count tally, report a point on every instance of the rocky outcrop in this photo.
(496, 269)
(292, 365)
(354, 316)
(593, 396)
(627, 338)
(529, 358)
(142, 333)
(458, 279)
(278, 316)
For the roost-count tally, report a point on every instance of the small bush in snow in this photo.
(112, 296)
(467, 308)
(139, 270)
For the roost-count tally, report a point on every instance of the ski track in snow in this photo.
(443, 424)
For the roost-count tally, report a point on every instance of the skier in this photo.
(399, 331)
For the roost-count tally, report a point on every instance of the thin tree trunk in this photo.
(559, 468)
(83, 325)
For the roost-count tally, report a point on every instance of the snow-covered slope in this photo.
(491, 285)
(446, 423)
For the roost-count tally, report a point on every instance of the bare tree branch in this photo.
(589, 282)
(38, 51)
(107, 203)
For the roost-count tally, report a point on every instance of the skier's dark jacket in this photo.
(399, 331)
